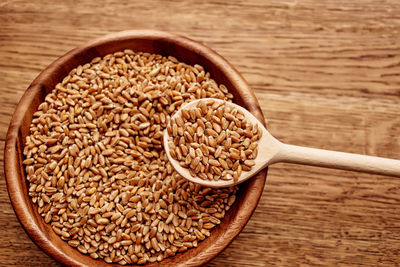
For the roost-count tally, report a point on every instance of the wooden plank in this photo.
(326, 74)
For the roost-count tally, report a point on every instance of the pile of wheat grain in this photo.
(96, 165)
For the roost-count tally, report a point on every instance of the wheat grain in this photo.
(96, 167)
(217, 149)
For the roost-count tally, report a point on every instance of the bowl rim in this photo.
(11, 157)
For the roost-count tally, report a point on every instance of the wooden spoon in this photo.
(271, 150)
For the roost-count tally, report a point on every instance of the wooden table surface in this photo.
(327, 75)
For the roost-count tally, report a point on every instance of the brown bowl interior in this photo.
(184, 50)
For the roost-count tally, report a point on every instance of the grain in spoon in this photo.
(271, 150)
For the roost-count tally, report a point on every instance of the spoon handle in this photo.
(338, 160)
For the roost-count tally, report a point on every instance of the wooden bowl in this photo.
(163, 43)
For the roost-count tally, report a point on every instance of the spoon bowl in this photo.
(263, 154)
(271, 150)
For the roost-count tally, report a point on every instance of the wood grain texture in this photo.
(326, 74)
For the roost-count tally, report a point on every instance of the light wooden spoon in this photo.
(271, 150)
